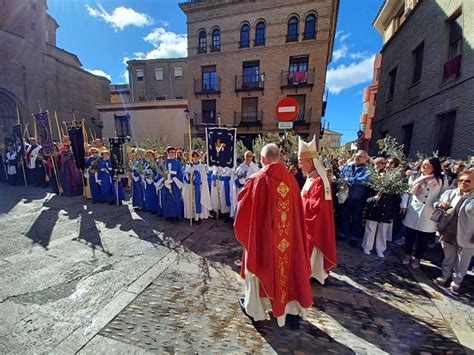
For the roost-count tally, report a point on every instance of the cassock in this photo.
(92, 173)
(201, 196)
(151, 201)
(33, 168)
(12, 168)
(221, 192)
(319, 217)
(275, 263)
(138, 189)
(172, 200)
(70, 176)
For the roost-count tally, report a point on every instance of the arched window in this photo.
(292, 35)
(260, 34)
(216, 40)
(310, 27)
(244, 36)
(202, 48)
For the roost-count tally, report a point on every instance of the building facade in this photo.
(244, 56)
(330, 140)
(146, 120)
(119, 93)
(158, 79)
(35, 74)
(426, 84)
(369, 100)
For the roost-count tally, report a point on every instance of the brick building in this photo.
(157, 79)
(244, 56)
(34, 72)
(426, 84)
(369, 100)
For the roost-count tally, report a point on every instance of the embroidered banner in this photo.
(18, 140)
(221, 146)
(76, 136)
(44, 132)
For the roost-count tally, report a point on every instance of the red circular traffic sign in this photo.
(287, 109)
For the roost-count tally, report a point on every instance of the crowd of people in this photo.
(285, 213)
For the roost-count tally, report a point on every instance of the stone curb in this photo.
(77, 340)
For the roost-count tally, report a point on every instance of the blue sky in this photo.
(106, 33)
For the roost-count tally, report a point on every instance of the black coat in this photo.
(384, 210)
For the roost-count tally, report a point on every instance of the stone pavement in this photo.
(97, 279)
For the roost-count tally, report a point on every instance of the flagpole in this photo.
(22, 144)
(55, 167)
(190, 170)
(58, 127)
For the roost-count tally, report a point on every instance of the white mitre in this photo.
(309, 151)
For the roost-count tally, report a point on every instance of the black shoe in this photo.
(293, 321)
(242, 308)
(198, 221)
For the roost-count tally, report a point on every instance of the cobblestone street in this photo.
(103, 279)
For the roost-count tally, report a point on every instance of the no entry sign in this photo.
(287, 109)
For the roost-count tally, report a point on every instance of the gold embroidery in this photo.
(283, 245)
(282, 189)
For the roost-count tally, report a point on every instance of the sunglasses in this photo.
(467, 181)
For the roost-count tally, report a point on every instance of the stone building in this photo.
(158, 79)
(330, 140)
(369, 99)
(426, 84)
(244, 56)
(35, 73)
(119, 93)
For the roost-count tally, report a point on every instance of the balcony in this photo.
(297, 79)
(207, 87)
(452, 68)
(207, 118)
(247, 83)
(248, 118)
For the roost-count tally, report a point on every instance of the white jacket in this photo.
(420, 207)
(465, 230)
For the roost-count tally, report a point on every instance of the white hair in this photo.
(271, 152)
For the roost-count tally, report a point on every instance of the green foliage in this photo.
(388, 182)
(199, 144)
(240, 149)
(389, 146)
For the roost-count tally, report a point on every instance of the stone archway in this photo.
(8, 116)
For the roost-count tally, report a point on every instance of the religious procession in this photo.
(291, 198)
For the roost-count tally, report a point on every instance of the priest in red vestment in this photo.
(318, 212)
(270, 226)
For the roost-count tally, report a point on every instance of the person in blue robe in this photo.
(152, 203)
(92, 168)
(138, 188)
(173, 208)
(113, 193)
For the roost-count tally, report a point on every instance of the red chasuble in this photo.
(319, 216)
(270, 226)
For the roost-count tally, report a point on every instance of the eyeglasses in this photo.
(467, 181)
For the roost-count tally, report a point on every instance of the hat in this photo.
(309, 151)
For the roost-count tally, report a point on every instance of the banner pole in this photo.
(55, 167)
(58, 127)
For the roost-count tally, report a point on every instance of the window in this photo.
(251, 73)
(209, 78)
(407, 135)
(452, 67)
(46, 36)
(216, 41)
(393, 77)
(122, 125)
(309, 27)
(418, 62)
(208, 111)
(445, 131)
(33, 27)
(292, 35)
(455, 36)
(158, 73)
(202, 42)
(260, 34)
(301, 103)
(249, 109)
(298, 70)
(244, 36)
(140, 75)
(178, 73)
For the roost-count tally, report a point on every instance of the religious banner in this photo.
(18, 141)
(221, 146)
(76, 136)
(117, 154)
(44, 132)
